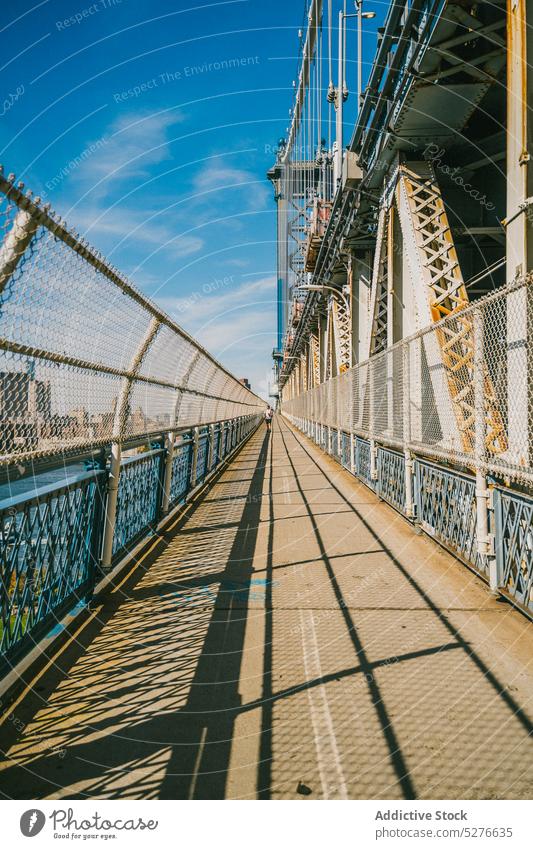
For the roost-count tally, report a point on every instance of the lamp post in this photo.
(341, 92)
(360, 16)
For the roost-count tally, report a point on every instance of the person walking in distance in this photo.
(269, 414)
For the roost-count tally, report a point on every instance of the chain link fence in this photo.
(85, 358)
(460, 390)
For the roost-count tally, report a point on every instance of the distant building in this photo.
(25, 409)
(39, 399)
(14, 395)
(7, 437)
(81, 417)
(245, 382)
(21, 396)
(101, 425)
(138, 421)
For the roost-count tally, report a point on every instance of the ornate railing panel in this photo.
(49, 555)
(219, 441)
(446, 508)
(334, 443)
(362, 461)
(203, 455)
(181, 470)
(139, 498)
(514, 545)
(391, 477)
(346, 450)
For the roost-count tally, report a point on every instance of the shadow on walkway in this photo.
(143, 706)
(289, 637)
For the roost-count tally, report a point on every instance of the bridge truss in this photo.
(417, 305)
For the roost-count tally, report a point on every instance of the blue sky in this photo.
(111, 110)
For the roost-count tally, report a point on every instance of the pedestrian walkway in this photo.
(290, 636)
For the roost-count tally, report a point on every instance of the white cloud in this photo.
(237, 263)
(214, 174)
(236, 322)
(134, 142)
(217, 175)
(213, 299)
(125, 223)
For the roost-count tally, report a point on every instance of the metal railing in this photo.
(444, 503)
(90, 369)
(405, 412)
(410, 397)
(52, 538)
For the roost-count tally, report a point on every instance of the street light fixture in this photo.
(360, 16)
(312, 288)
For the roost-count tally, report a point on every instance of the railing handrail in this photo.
(39, 492)
(54, 557)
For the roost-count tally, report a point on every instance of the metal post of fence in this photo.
(161, 474)
(373, 449)
(98, 527)
(211, 443)
(352, 452)
(194, 464)
(409, 501)
(167, 477)
(217, 446)
(373, 460)
(482, 491)
(111, 505)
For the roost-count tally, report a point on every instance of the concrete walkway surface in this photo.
(291, 636)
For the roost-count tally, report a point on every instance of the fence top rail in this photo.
(144, 455)
(39, 493)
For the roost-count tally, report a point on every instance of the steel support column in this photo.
(519, 221)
